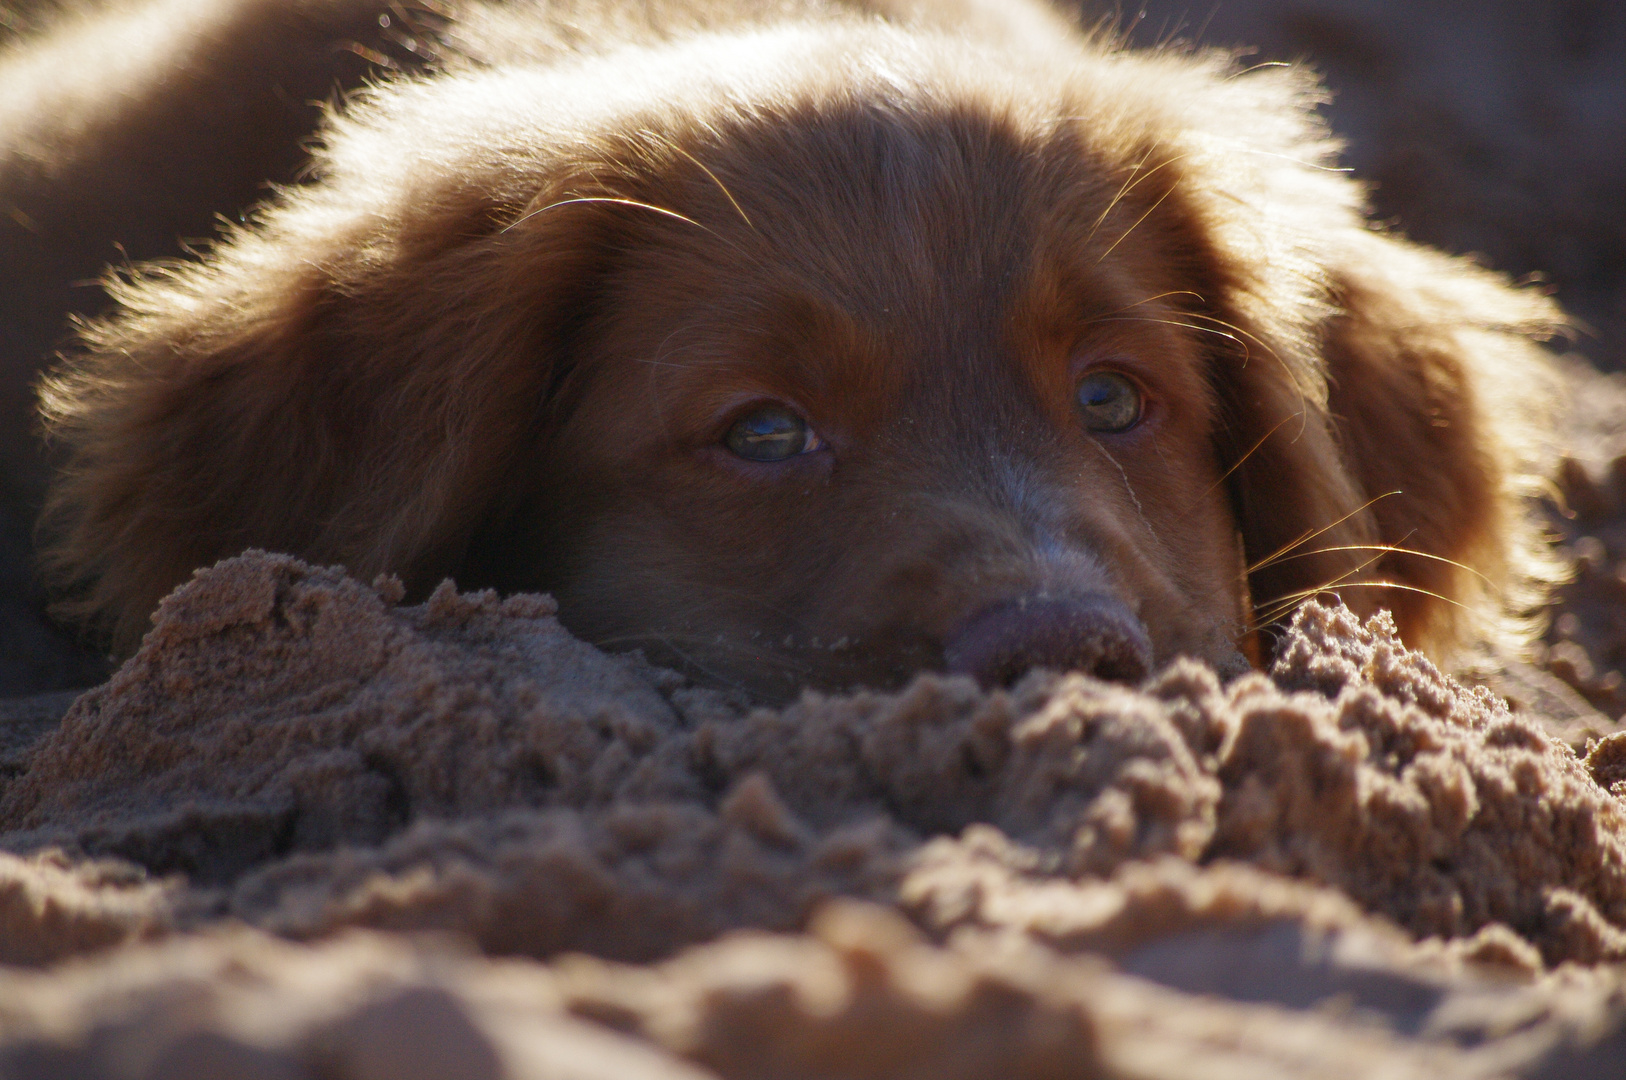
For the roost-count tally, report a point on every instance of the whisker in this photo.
(702, 643)
(729, 195)
(1395, 549)
(1287, 368)
(1172, 292)
(1143, 217)
(1123, 188)
(716, 595)
(653, 365)
(1307, 537)
(689, 661)
(1258, 67)
(1234, 333)
(1240, 147)
(1305, 594)
(1170, 322)
(1131, 182)
(1238, 334)
(616, 200)
(1251, 451)
(1281, 605)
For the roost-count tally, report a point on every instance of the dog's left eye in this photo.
(1111, 402)
(771, 433)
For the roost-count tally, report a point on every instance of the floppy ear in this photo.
(1402, 484)
(1381, 404)
(1442, 403)
(345, 384)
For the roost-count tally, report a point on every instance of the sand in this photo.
(309, 831)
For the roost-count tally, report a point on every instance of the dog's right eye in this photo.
(771, 433)
(1111, 403)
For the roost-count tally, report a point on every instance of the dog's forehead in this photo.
(881, 253)
(935, 226)
(878, 209)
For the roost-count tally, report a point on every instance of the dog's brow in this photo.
(727, 194)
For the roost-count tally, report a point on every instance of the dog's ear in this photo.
(1381, 404)
(1441, 402)
(343, 381)
(1398, 472)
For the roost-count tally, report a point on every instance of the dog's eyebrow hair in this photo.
(1172, 292)
(1131, 182)
(523, 218)
(1256, 67)
(727, 194)
(1149, 211)
(1240, 147)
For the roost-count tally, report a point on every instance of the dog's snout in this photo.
(1090, 632)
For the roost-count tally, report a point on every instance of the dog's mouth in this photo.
(1092, 632)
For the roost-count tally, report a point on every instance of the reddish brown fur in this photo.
(503, 335)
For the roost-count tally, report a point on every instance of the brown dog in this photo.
(819, 347)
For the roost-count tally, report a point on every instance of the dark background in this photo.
(1491, 127)
(1495, 128)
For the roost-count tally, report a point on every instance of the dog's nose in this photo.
(1090, 632)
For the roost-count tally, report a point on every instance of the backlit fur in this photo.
(501, 334)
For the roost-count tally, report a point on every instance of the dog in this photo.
(814, 344)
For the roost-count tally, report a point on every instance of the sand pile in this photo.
(1353, 867)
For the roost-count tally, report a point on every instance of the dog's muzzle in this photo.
(1089, 632)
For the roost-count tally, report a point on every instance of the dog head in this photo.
(809, 355)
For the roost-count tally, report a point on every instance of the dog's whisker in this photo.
(1292, 600)
(1123, 189)
(612, 199)
(1152, 299)
(1307, 537)
(727, 194)
(1243, 148)
(706, 655)
(1270, 612)
(1170, 322)
(717, 677)
(1257, 67)
(1396, 549)
(1287, 369)
(714, 595)
(1254, 449)
(1131, 182)
(1149, 210)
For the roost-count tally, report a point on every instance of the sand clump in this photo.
(1044, 881)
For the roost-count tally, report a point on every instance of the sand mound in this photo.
(1035, 883)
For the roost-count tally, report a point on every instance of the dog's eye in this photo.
(772, 433)
(1111, 402)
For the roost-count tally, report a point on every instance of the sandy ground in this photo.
(309, 832)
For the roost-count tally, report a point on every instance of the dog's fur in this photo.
(502, 333)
